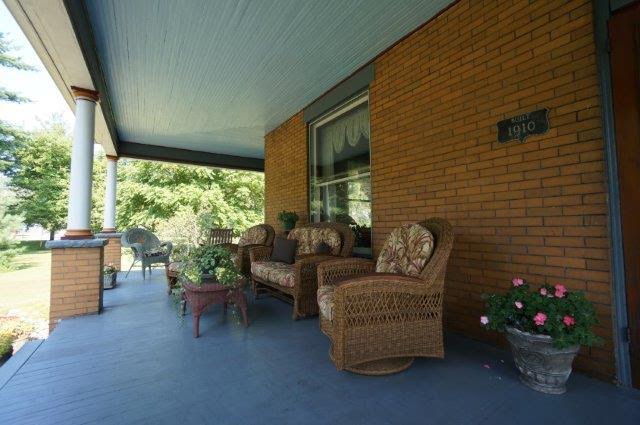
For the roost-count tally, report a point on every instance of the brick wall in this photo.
(286, 171)
(113, 253)
(76, 282)
(535, 209)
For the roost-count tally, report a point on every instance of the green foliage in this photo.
(40, 177)
(568, 317)
(209, 260)
(288, 217)
(6, 341)
(9, 224)
(8, 60)
(151, 193)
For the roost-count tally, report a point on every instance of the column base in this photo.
(108, 230)
(71, 234)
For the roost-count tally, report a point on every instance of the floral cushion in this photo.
(256, 235)
(155, 252)
(406, 250)
(273, 271)
(325, 301)
(309, 238)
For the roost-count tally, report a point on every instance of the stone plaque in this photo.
(522, 126)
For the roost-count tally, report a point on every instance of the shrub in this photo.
(6, 344)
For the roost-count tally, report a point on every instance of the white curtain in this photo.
(347, 129)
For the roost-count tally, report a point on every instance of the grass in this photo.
(24, 291)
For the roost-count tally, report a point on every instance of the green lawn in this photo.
(24, 292)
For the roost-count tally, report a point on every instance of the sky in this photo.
(46, 100)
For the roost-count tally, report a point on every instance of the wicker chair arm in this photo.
(329, 271)
(231, 247)
(168, 246)
(137, 249)
(306, 272)
(384, 299)
(260, 253)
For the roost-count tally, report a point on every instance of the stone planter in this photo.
(542, 367)
(109, 280)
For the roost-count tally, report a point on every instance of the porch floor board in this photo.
(137, 362)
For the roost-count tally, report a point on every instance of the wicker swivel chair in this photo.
(146, 248)
(380, 316)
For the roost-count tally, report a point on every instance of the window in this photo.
(340, 182)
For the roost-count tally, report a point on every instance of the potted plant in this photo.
(109, 274)
(545, 329)
(200, 265)
(209, 276)
(288, 219)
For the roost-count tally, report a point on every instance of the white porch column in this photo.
(109, 224)
(79, 218)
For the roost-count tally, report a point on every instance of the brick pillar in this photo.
(76, 278)
(113, 249)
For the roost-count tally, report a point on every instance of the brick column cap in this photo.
(76, 243)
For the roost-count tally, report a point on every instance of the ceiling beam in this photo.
(81, 26)
(185, 156)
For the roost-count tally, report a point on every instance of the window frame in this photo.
(313, 126)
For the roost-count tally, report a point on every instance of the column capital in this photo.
(112, 158)
(86, 94)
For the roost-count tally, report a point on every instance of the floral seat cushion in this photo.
(309, 238)
(272, 271)
(406, 251)
(155, 252)
(325, 301)
(256, 235)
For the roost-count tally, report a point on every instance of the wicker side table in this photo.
(202, 297)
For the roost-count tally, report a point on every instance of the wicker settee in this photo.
(297, 283)
(381, 315)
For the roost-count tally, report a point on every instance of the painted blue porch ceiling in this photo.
(215, 76)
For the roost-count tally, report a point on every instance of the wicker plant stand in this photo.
(200, 298)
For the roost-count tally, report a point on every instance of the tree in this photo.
(40, 178)
(8, 60)
(164, 197)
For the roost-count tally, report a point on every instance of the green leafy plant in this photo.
(288, 218)
(109, 269)
(208, 260)
(568, 317)
(6, 344)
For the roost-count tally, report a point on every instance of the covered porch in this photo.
(137, 362)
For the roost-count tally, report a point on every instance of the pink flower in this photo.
(484, 320)
(540, 318)
(569, 321)
(518, 304)
(560, 290)
(517, 281)
(543, 291)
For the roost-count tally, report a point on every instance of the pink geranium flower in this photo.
(540, 318)
(569, 321)
(484, 320)
(543, 291)
(517, 281)
(560, 291)
(518, 305)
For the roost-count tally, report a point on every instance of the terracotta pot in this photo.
(542, 367)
